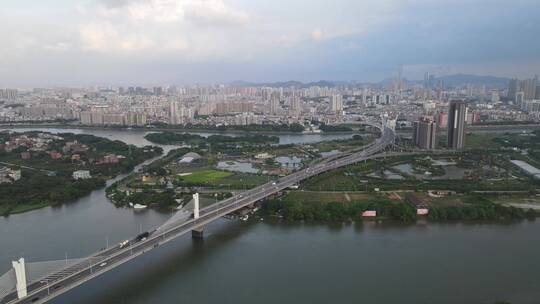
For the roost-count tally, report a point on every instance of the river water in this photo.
(241, 262)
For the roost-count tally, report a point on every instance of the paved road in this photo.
(71, 276)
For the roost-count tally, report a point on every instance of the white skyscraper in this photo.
(274, 106)
(337, 104)
(175, 116)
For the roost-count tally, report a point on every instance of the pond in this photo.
(451, 172)
(237, 166)
(289, 162)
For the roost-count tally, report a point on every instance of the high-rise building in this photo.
(364, 96)
(425, 133)
(175, 118)
(136, 119)
(427, 85)
(442, 120)
(528, 87)
(495, 96)
(295, 105)
(274, 105)
(530, 106)
(520, 97)
(429, 80)
(158, 91)
(457, 114)
(512, 88)
(387, 99)
(337, 104)
(9, 94)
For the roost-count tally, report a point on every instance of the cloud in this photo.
(59, 46)
(191, 29)
(210, 12)
(220, 40)
(106, 37)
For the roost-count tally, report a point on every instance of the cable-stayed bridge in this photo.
(42, 281)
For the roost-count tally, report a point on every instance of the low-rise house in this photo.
(25, 155)
(75, 147)
(109, 159)
(264, 155)
(417, 203)
(55, 155)
(81, 174)
(15, 175)
(8, 175)
(369, 213)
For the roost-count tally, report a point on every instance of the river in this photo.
(263, 262)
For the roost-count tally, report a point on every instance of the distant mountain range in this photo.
(461, 79)
(449, 80)
(290, 83)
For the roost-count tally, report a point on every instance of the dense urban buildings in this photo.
(309, 105)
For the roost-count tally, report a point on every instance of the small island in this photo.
(173, 138)
(39, 169)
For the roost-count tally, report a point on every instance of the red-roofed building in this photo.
(25, 155)
(55, 154)
(417, 203)
(369, 213)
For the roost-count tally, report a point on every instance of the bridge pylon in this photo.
(20, 275)
(196, 233)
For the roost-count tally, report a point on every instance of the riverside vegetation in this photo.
(49, 161)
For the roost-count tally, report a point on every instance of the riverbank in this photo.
(49, 170)
(327, 208)
(37, 193)
(474, 129)
(171, 129)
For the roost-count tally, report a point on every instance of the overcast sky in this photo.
(151, 42)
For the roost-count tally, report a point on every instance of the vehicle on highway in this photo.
(142, 236)
(124, 243)
(103, 264)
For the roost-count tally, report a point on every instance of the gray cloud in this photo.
(156, 41)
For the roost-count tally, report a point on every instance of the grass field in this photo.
(205, 176)
(326, 197)
(482, 141)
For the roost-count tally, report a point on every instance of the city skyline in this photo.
(57, 42)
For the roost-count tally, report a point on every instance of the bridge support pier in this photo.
(197, 233)
(20, 274)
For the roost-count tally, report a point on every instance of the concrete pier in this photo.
(197, 233)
